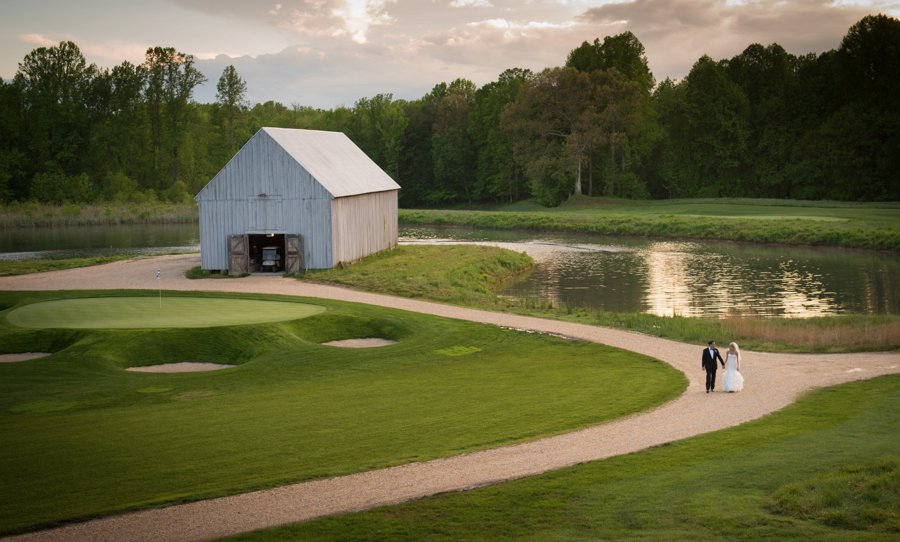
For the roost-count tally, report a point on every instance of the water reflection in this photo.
(710, 279)
(89, 241)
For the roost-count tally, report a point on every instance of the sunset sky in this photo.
(326, 53)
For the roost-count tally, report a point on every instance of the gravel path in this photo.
(772, 382)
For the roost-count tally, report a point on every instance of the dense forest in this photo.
(765, 123)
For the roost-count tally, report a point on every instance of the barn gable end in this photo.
(308, 183)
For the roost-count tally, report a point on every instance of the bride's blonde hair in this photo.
(737, 350)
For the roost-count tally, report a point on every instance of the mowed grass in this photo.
(826, 468)
(82, 437)
(858, 225)
(155, 312)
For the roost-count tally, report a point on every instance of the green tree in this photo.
(13, 170)
(715, 134)
(767, 77)
(623, 52)
(118, 135)
(416, 163)
(451, 147)
(55, 83)
(497, 176)
(377, 126)
(554, 121)
(171, 80)
(231, 93)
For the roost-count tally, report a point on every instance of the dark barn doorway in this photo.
(267, 253)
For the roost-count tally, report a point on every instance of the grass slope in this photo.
(82, 437)
(464, 275)
(826, 468)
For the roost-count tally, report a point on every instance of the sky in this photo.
(329, 53)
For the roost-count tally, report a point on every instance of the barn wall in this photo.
(264, 190)
(363, 224)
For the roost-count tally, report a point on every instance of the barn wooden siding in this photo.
(362, 225)
(340, 202)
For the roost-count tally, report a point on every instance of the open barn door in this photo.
(238, 255)
(293, 249)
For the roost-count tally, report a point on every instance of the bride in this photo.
(733, 380)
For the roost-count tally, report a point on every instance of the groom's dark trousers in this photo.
(708, 362)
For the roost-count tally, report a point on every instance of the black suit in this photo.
(708, 362)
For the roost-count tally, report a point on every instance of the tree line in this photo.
(765, 123)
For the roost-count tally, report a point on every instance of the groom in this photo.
(708, 362)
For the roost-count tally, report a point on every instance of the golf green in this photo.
(154, 312)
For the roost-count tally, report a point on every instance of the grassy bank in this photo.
(457, 274)
(32, 214)
(863, 225)
(83, 437)
(471, 276)
(10, 268)
(826, 468)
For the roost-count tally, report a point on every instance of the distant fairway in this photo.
(146, 312)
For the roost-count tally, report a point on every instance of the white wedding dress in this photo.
(733, 380)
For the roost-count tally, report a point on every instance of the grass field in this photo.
(82, 437)
(859, 225)
(155, 312)
(826, 468)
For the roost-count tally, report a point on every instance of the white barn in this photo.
(292, 200)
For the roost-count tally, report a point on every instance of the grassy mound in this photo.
(158, 312)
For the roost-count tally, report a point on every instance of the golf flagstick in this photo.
(160, 288)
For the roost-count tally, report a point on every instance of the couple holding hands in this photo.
(733, 380)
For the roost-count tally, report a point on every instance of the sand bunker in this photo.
(182, 367)
(360, 343)
(24, 356)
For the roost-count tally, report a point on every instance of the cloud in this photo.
(471, 4)
(307, 18)
(676, 33)
(104, 53)
(39, 40)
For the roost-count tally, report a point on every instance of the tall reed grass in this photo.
(31, 214)
(846, 333)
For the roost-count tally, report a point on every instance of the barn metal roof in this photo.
(333, 160)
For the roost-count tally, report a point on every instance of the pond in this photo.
(687, 278)
(693, 278)
(88, 241)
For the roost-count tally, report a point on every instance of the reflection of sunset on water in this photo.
(685, 280)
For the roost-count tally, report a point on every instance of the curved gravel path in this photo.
(772, 382)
